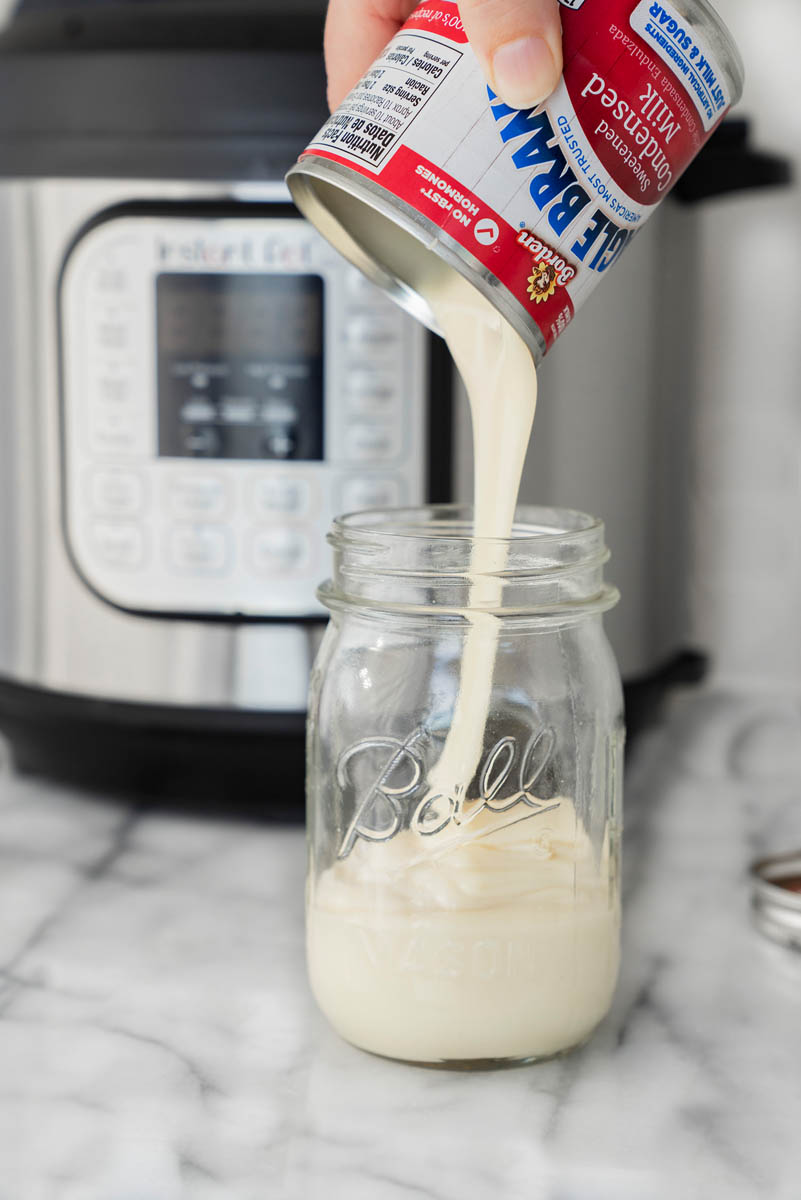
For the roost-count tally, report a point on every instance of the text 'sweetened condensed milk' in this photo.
(533, 207)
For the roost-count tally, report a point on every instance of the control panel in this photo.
(228, 385)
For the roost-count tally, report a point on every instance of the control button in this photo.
(203, 443)
(279, 412)
(117, 493)
(199, 549)
(110, 280)
(366, 443)
(371, 332)
(362, 493)
(279, 443)
(198, 412)
(371, 383)
(119, 544)
(238, 410)
(278, 551)
(112, 335)
(112, 429)
(370, 391)
(112, 388)
(197, 495)
(281, 496)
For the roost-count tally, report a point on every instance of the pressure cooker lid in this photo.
(170, 89)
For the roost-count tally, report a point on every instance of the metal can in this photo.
(533, 207)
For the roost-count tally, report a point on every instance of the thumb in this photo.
(519, 46)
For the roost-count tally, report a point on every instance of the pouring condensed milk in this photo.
(465, 726)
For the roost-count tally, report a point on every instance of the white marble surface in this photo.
(158, 1041)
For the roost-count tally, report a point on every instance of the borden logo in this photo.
(551, 271)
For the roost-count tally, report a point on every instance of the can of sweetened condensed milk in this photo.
(533, 207)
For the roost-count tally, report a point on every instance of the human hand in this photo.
(517, 42)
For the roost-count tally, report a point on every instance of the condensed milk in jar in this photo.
(464, 785)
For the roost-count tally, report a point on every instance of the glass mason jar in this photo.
(464, 788)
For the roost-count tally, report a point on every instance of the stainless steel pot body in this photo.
(128, 574)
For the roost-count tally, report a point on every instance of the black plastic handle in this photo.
(728, 163)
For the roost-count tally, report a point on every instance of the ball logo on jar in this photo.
(384, 782)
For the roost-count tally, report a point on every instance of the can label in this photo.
(548, 198)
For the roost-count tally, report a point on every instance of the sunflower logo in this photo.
(542, 283)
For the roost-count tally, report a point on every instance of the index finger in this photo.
(356, 31)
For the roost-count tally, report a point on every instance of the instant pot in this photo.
(192, 383)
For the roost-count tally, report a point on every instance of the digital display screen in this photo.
(240, 366)
(260, 315)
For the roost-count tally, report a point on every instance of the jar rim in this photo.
(426, 561)
(535, 526)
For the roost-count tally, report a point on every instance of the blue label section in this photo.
(686, 51)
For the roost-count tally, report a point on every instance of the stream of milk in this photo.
(501, 382)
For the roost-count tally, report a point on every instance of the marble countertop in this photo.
(158, 1040)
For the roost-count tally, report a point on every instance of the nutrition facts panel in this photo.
(386, 101)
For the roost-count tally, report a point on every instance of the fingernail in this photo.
(524, 72)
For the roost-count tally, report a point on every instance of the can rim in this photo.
(766, 874)
(776, 911)
(735, 64)
(314, 167)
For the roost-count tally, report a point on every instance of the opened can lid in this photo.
(776, 898)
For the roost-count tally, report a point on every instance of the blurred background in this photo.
(169, 474)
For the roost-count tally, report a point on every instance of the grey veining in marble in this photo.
(158, 1040)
